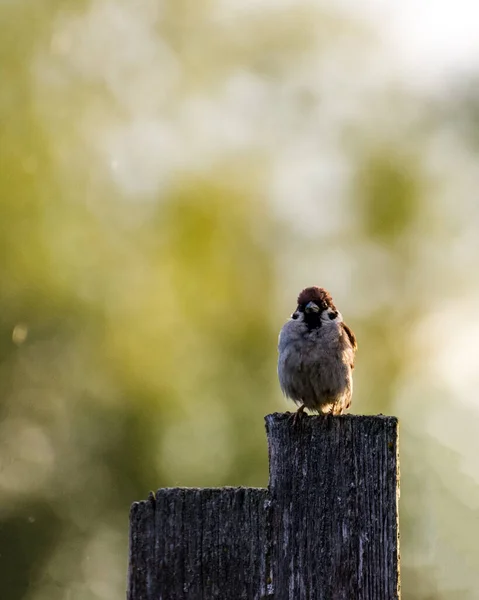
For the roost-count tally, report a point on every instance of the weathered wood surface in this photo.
(326, 528)
(333, 487)
(199, 543)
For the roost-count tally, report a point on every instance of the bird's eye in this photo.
(332, 315)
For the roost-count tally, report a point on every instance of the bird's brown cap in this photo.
(318, 295)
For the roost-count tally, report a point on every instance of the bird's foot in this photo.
(298, 414)
(337, 409)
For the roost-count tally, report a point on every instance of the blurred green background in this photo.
(172, 173)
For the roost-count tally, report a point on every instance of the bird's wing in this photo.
(352, 338)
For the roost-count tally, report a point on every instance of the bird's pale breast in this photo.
(314, 366)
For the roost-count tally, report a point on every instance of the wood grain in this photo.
(325, 529)
(334, 487)
(200, 543)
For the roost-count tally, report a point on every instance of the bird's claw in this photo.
(297, 415)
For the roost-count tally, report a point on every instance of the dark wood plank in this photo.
(203, 544)
(334, 497)
(326, 528)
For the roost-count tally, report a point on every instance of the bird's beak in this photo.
(311, 307)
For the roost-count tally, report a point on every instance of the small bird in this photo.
(316, 355)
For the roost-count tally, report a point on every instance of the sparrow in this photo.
(316, 351)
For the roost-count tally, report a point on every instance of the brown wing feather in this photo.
(352, 338)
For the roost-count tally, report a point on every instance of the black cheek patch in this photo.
(332, 315)
(312, 320)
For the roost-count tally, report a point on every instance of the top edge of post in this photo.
(210, 490)
(279, 417)
(311, 420)
(183, 491)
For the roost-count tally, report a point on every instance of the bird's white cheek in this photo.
(326, 317)
(297, 316)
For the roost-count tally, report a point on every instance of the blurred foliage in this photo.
(151, 245)
(389, 194)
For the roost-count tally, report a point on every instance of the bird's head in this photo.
(315, 306)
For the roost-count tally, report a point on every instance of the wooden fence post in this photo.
(326, 528)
